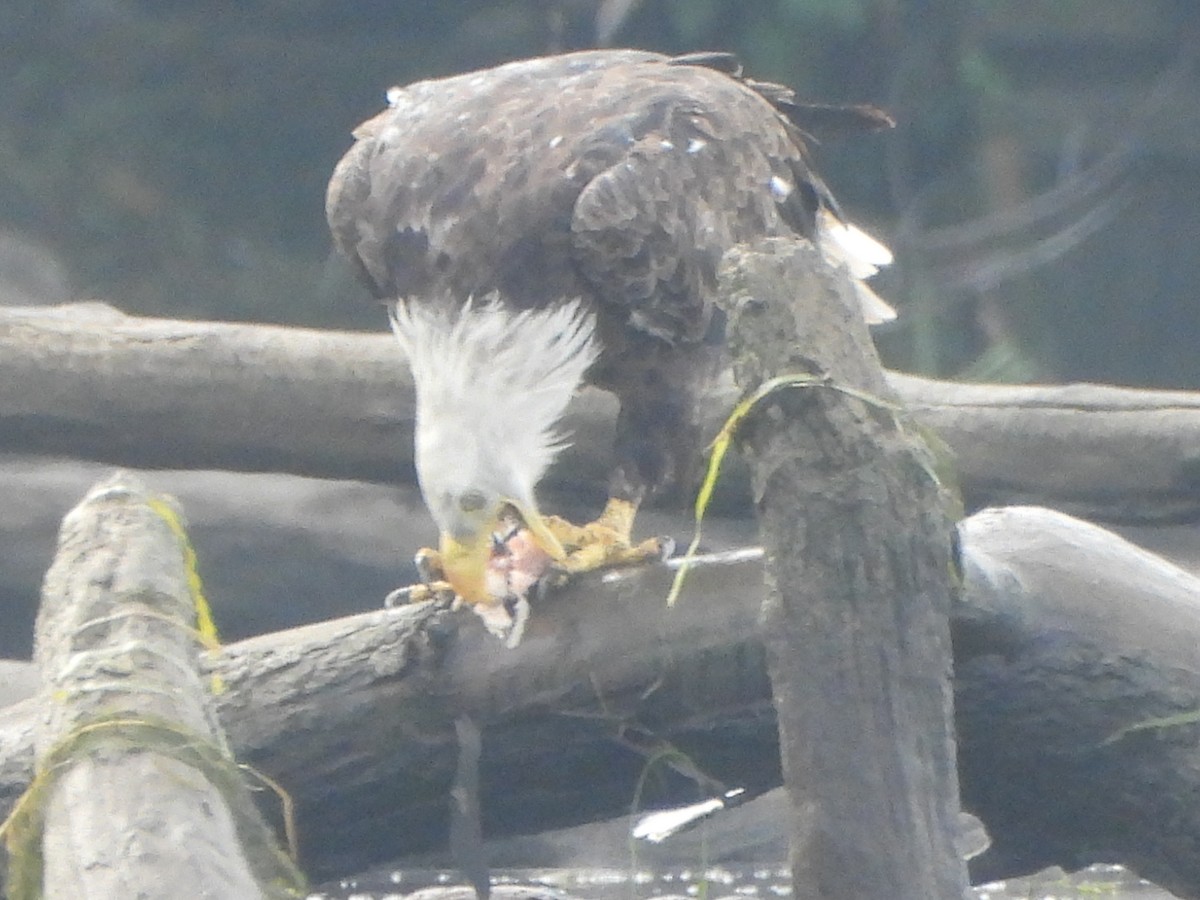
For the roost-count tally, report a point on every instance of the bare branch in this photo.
(159, 393)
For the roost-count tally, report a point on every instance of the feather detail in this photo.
(875, 309)
(492, 384)
(851, 248)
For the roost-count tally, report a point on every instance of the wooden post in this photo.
(136, 793)
(858, 569)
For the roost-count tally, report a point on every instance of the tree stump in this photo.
(858, 546)
(136, 794)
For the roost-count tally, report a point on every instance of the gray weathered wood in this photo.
(1108, 453)
(278, 551)
(1077, 680)
(138, 796)
(355, 716)
(87, 381)
(857, 534)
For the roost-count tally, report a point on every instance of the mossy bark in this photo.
(858, 565)
(136, 792)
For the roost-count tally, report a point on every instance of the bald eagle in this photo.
(560, 221)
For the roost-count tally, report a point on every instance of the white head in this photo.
(492, 385)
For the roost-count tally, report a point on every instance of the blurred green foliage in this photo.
(175, 154)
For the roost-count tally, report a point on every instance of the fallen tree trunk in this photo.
(86, 380)
(128, 752)
(277, 551)
(1078, 689)
(355, 716)
(857, 537)
(1107, 453)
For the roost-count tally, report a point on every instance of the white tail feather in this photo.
(848, 246)
(875, 309)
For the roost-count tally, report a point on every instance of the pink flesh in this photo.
(513, 571)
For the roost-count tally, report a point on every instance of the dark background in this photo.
(1042, 189)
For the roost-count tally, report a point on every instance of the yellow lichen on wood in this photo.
(205, 624)
(721, 443)
(22, 830)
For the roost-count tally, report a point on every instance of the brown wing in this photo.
(617, 175)
(467, 184)
(713, 165)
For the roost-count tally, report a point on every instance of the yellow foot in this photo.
(506, 610)
(432, 585)
(606, 542)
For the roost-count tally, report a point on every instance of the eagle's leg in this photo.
(657, 432)
(607, 541)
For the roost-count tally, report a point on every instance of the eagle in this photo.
(559, 221)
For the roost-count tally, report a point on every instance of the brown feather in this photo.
(620, 177)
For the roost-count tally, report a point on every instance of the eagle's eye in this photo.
(471, 501)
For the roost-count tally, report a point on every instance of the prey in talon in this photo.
(516, 567)
(518, 562)
(515, 570)
(559, 222)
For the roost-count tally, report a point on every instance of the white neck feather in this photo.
(492, 385)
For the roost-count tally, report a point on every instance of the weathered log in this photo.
(87, 381)
(355, 717)
(128, 751)
(18, 680)
(1106, 453)
(277, 551)
(857, 534)
(1078, 694)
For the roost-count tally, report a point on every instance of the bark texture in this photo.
(857, 536)
(355, 716)
(1078, 686)
(137, 795)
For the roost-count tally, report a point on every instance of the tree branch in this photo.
(857, 538)
(87, 381)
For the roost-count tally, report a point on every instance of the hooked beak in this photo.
(465, 562)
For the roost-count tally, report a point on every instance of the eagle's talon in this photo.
(436, 590)
(606, 543)
(554, 577)
(428, 563)
(608, 553)
(543, 586)
(398, 597)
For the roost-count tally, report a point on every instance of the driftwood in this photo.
(85, 380)
(355, 716)
(1078, 697)
(857, 538)
(1107, 453)
(129, 754)
(277, 551)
